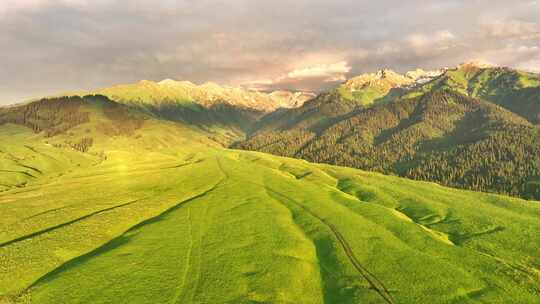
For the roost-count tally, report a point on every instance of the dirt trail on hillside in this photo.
(373, 281)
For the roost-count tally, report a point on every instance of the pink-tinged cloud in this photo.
(304, 76)
(327, 71)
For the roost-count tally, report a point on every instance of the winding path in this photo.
(373, 281)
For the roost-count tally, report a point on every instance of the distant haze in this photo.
(49, 46)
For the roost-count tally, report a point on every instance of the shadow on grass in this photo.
(115, 242)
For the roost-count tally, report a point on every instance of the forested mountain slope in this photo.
(517, 91)
(471, 127)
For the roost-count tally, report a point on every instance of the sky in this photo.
(55, 46)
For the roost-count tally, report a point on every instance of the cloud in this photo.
(531, 65)
(50, 46)
(443, 36)
(528, 49)
(520, 56)
(323, 72)
(15, 6)
(440, 40)
(329, 72)
(511, 29)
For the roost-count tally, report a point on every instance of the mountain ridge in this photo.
(442, 103)
(421, 123)
(206, 94)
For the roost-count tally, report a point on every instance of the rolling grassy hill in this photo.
(471, 127)
(104, 203)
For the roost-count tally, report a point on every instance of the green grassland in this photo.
(156, 212)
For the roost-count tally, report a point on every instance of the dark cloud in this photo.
(50, 46)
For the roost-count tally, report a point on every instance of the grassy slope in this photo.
(25, 162)
(149, 93)
(368, 89)
(170, 217)
(228, 112)
(179, 103)
(363, 97)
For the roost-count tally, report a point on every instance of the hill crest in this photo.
(207, 94)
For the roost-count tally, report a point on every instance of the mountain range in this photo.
(129, 194)
(473, 126)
